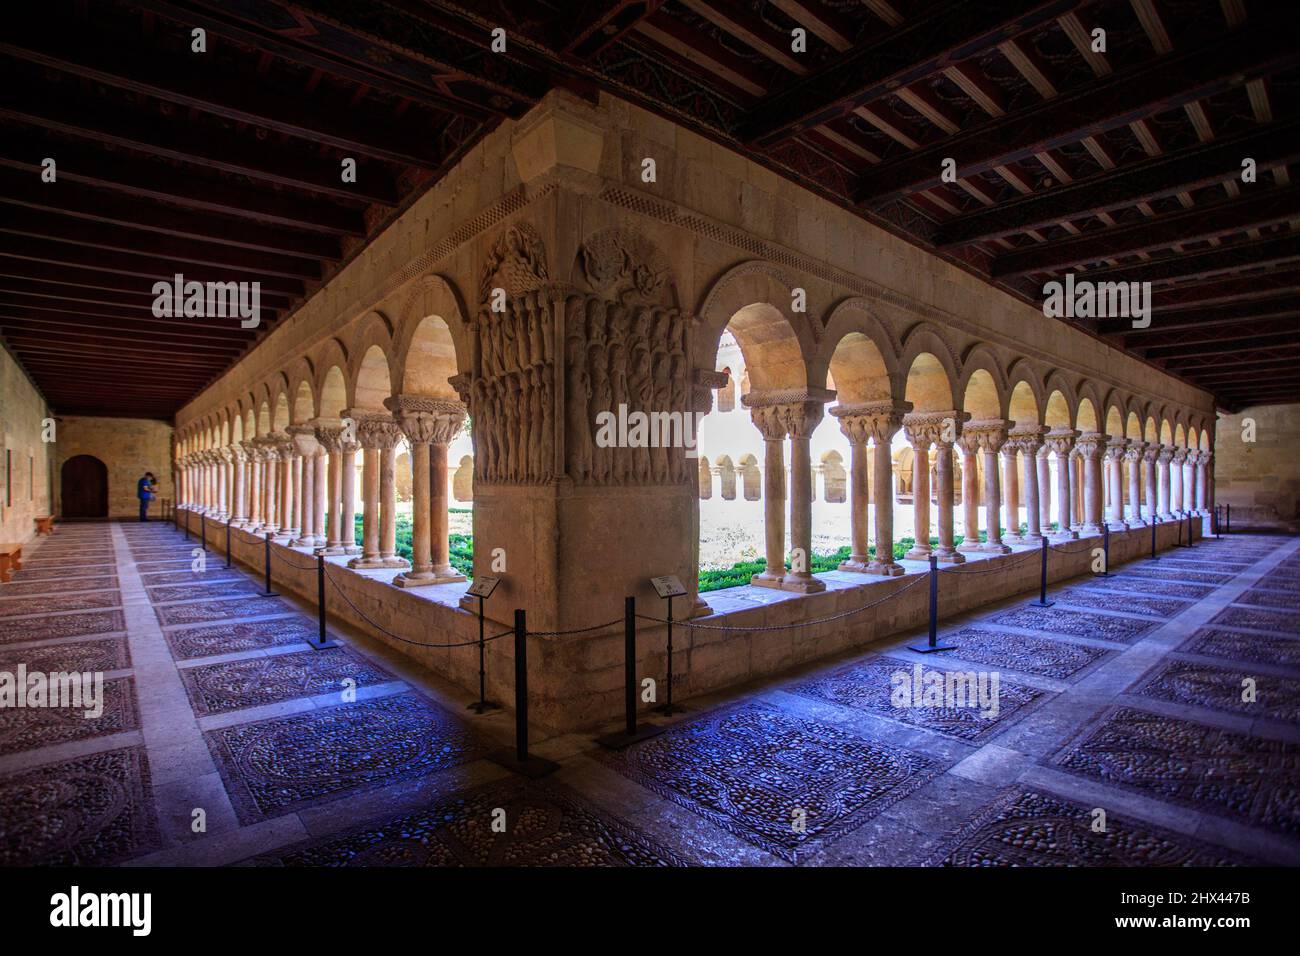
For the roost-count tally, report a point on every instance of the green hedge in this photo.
(462, 545)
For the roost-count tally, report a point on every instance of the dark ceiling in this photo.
(1118, 166)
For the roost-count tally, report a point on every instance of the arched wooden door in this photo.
(84, 482)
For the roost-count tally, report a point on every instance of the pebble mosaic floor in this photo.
(1165, 697)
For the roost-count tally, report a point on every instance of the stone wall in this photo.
(24, 457)
(128, 447)
(1259, 479)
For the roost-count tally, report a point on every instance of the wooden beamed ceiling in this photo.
(1121, 164)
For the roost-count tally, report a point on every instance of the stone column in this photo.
(1061, 442)
(271, 515)
(969, 443)
(1133, 456)
(946, 552)
(1189, 473)
(992, 437)
(239, 494)
(1029, 439)
(224, 483)
(885, 418)
(920, 438)
(378, 436)
(255, 487)
(1011, 492)
(320, 493)
(348, 471)
(801, 419)
(1044, 489)
(1092, 451)
(287, 452)
(772, 426)
(1076, 478)
(1202, 483)
(1149, 456)
(1163, 457)
(857, 429)
(429, 424)
(1115, 451)
(306, 446)
(330, 436)
(1176, 481)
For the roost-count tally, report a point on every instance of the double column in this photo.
(310, 505)
(775, 420)
(871, 480)
(379, 437)
(429, 425)
(980, 442)
(1177, 465)
(286, 494)
(1092, 453)
(1164, 455)
(940, 429)
(1133, 457)
(1028, 439)
(1116, 448)
(1150, 455)
(1202, 482)
(1060, 441)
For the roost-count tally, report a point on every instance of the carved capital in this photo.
(304, 440)
(1116, 449)
(1135, 451)
(1061, 440)
(1092, 445)
(1180, 456)
(1027, 438)
(769, 421)
(924, 429)
(801, 418)
(378, 431)
(426, 420)
(882, 420)
(1166, 454)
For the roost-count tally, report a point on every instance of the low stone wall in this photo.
(576, 681)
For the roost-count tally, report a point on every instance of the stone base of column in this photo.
(1012, 539)
(765, 580)
(997, 548)
(1069, 534)
(1117, 525)
(408, 579)
(1136, 522)
(352, 549)
(802, 582)
(372, 564)
(949, 556)
(971, 546)
(889, 570)
(918, 554)
(700, 608)
(856, 565)
(283, 537)
(333, 549)
(304, 541)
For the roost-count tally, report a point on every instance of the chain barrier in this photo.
(576, 630)
(397, 637)
(297, 567)
(786, 627)
(967, 569)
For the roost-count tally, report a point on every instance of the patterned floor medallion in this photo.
(1221, 688)
(750, 768)
(235, 587)
(193, 642)
(27, 728)
(199, 611)
(1279, 622)
(869, 685)
(1244, 646)
(1031, 828)
(1122, 582)
(285, 764)
(55, 603)
(106, 654)
(1124, 630)
(1247, 778)
(546, 825)
(234, 685)
(1044, 656)
(90, 811)
(24, 588)
(1163, 607)
(1267, 597)
(61, 625)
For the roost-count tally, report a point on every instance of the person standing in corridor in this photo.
(145, 489)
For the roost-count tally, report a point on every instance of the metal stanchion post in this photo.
(1105, 551)
(187, 526)
(1153, 540)
(228, 544)
(1228, 515)
(323, 642)
(517, 757)
(203, 531)
(1042, 580)
(668, 709)
(269, 592)
(933, 644)
(1189, 529)
(632, 731)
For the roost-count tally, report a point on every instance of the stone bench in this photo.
(11, 559)
(45, 524)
